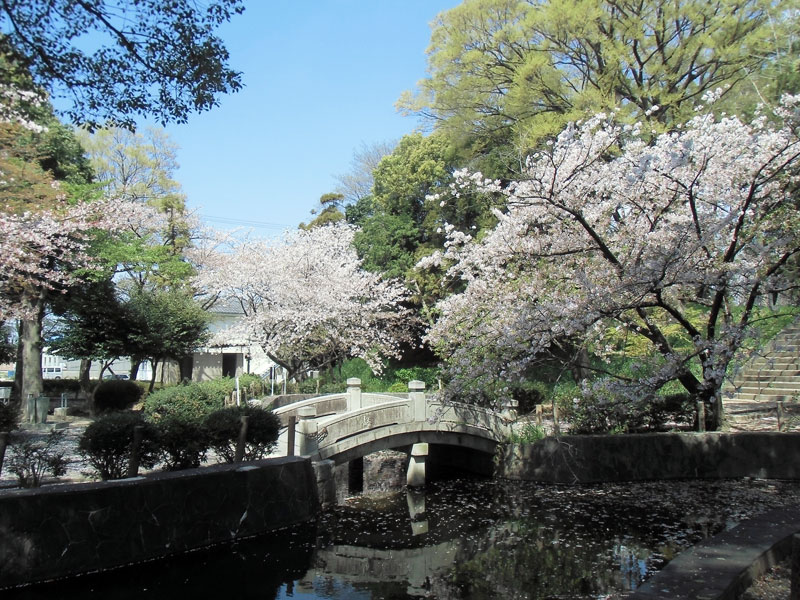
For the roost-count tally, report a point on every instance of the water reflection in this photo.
(453, 540)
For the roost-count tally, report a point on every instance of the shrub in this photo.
(106, 444)
(253, 385)
(563, 396)
(192, 402)
(612, 407)
(430, 375)
(55, 387)
(9, 416)
(182, 444)
(31, 458)
(116, 394)
(608, 406)
(224, 425)
(309, 386)
(672, 409)
(527, 434)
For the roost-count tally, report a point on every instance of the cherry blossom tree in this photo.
(306, 300)
(46, 251)
(616, 235)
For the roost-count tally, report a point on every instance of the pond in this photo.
(463, 538)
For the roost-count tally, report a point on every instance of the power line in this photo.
(246, 222)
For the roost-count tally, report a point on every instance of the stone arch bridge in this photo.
(346, 427)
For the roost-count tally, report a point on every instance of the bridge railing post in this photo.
(416, 394)
(353, 394)
(308, 429)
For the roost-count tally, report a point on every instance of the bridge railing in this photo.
(330, 404)
(328, 420)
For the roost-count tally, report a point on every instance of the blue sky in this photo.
(321, 79)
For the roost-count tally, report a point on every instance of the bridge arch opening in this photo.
(374, 470)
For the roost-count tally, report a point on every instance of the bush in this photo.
(613, 407)
(224, 425)
(106, 444)
(672, 409)
(527, 434)
(116, 394)
(430, 375)
(31, 458)
(608, 406)
(563, 396)
(253, 385)
(9, 416)
(182, 444)
(55, 387)
(192, 402)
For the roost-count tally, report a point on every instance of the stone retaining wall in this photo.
(64, 530)
(608, 458)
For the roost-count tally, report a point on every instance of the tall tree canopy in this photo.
(511, 72)
(140, 167)
(115, 60)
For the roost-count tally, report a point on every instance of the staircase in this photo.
(751, 400)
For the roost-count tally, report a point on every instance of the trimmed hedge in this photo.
(192, 402)
(182, 444)
(106, 444)
(116, 394)
(223, 428)
(9, 416)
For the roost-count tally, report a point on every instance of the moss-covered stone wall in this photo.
(657, 456)
(62, 530)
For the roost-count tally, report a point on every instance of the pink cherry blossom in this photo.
(306, 300)
(612, 232)
(47, 249)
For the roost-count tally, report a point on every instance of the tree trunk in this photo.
(17, 388)
(83, 378)
(30, 339)
(135, 364)
(154, 364)
(581, 365)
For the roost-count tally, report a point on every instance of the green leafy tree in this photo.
(140, 167)
(398, 220)
(92, 324)
(509, 73)
(116, 61)
(165, 324)
(330, 211)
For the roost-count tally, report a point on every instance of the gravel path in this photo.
(77, 468)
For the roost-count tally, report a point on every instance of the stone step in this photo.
(787, 383)
(773, 362)
(763, 397)
(789, 373)
(772, 376)
(782, 352)
(767, 391)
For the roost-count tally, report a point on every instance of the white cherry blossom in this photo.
(306, 300)
(680, 234)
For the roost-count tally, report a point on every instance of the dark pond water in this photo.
(457, 539)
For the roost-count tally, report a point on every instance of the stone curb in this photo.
(724, 566)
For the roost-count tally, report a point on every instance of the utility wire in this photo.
(246, 222)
